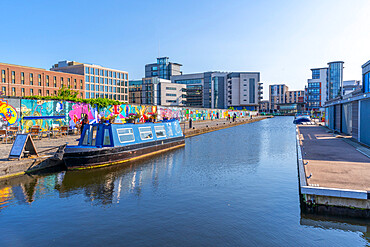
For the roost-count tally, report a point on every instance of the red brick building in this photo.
(21, 81)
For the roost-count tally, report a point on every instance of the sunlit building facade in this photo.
(100, 82)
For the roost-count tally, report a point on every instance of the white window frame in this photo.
(140, 132)
(132, 133)
(164, 129)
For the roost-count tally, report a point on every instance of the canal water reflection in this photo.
(235, 187)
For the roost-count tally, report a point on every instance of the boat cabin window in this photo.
(90, 136)
(93, 135)
(86, 141)
(160, 131)
(146, 133)
(106, 139)
(125, 135)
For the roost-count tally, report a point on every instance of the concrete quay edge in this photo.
(211, 129)
(337, 197)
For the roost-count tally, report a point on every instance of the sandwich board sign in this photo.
(23, 142)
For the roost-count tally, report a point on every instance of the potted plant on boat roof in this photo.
(131, 118)
(138, 116)
(112, 118)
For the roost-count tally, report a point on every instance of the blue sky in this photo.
(281, 39)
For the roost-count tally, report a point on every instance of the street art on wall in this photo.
(12, 112)
(8, 114)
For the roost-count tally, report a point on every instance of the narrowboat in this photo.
(104, 144)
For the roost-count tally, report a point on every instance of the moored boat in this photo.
(109, 144)
(301, 118)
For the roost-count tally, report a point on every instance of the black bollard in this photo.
(190, 123)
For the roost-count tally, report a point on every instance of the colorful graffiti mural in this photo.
(74, 112)
(8, 114)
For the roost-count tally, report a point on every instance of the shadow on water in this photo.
(334, 222)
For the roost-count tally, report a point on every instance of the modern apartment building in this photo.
(157, 91)
(100, 82)
(277, 95)
(241, 90)
(244, 90)
(296, 96)
(335, 79)
(194, 88)
(135, 91)
(162, 69)
(17, 80)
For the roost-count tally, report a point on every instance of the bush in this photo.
(66, 94)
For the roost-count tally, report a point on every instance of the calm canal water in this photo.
(233, 187)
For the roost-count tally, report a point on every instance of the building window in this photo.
(39, 92)
(3, 76)
(13, 92)
(96, 71)
(4, 90)
(31, 79)
(87, 70)
(81, 84)
(22, 78)
(101, 80)
(171, 101)
(170, 88)
(23, 93)
(92, 79)
(315, 74)
(92, 71)
(55, 92)
(69, 82)
(87, 95)
(87, 86)
(13, 77)
(75, 83)
(55, 81)
(110, 73)
(105, 73)
(47, 92)
(61, 81)
(47, 80)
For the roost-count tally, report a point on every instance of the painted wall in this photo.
(12, 112)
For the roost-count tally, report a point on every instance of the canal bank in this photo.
(47, 147)
(334, 174)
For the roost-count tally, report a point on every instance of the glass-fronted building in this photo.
(163, 68)
(335, 79)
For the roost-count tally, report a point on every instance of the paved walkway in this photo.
(333, 162)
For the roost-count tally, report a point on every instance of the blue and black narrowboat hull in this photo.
(76, 158)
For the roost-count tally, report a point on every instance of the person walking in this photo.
(84, 121)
